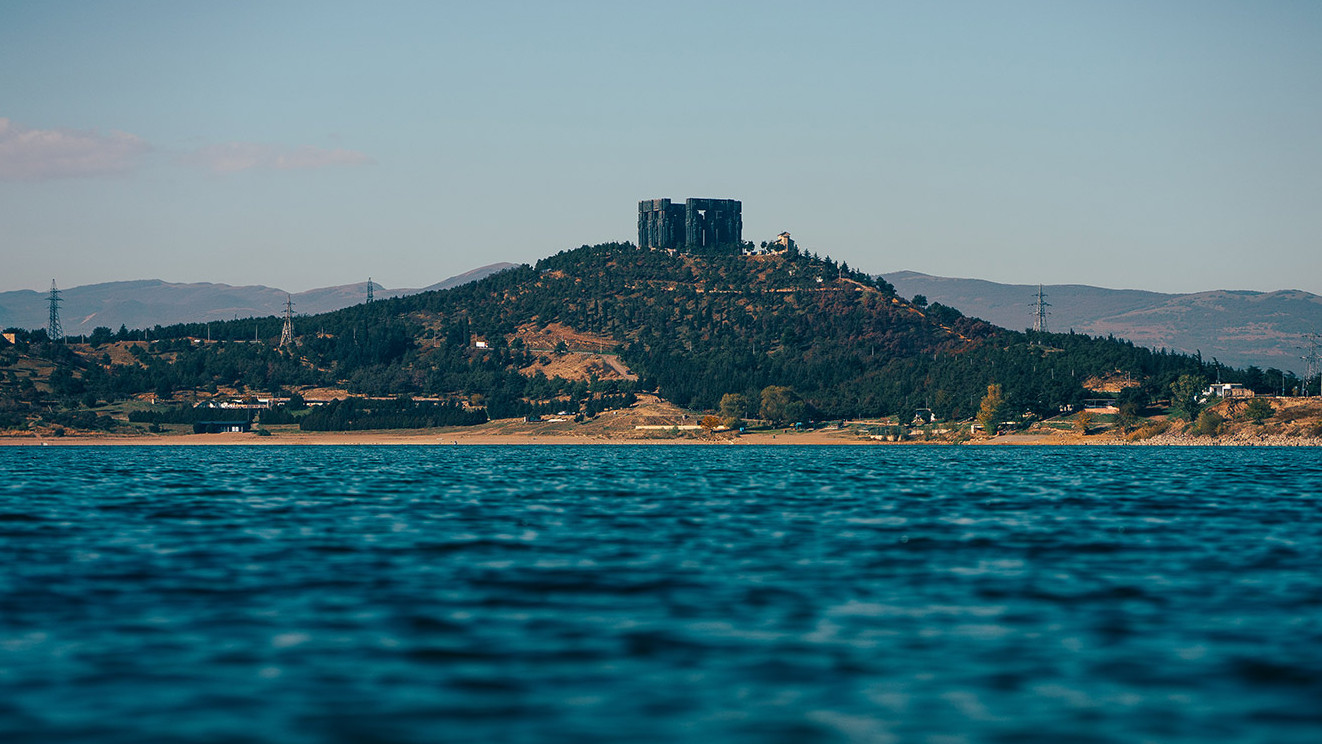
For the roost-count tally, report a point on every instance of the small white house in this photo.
(781, 244)
(1227, 390)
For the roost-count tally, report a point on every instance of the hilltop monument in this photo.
(696, 226)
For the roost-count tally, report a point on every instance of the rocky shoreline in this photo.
(1237, 439)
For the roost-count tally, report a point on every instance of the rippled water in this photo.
(583, 594)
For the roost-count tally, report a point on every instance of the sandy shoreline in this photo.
(432, 438)
(438, 437)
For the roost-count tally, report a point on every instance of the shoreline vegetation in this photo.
(651, 421)
(435, 437)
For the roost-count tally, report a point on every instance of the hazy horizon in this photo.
(418, 285)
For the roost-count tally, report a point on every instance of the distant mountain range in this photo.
(148, 302)
(1238, 328)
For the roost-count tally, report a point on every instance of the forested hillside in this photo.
(692, 328)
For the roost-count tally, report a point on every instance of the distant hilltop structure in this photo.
(696, 226)
(781, 245)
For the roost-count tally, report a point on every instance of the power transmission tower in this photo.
(1312, 359)
(1040, 306)
(287, 334)
(369, 289)
(55, 331)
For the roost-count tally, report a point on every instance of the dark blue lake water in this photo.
(650, 594)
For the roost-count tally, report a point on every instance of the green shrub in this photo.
(1258, 411)
(1083, 422)
(1149, 430)
(1208, 424)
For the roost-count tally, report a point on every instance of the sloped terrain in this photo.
(1238, 328)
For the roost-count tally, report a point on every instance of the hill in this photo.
(1239, 328)
(149, 302)
(586, 329)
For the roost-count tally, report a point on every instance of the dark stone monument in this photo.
(660, 224)
(699, 226)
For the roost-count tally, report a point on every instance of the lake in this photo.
(660, 594)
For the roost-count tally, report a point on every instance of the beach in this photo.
(502, 435)
(422, 437)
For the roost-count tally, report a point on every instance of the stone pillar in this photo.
(692, 225)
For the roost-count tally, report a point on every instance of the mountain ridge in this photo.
(143, 303)
(1238, 327)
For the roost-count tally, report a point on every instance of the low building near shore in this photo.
(1227, 390)
(221, 427)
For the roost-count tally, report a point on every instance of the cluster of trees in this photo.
(85, 420)
(358, 414)
(1188, 403)
(188, 415)
(778, 405)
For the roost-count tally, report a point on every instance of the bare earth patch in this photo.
(545, 338)
(585, 358)
(1112, 383)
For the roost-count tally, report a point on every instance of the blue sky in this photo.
(1171, 146)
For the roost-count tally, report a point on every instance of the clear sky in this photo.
(1171, 146)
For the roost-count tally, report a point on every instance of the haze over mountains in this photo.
(149, 302)
(1238, 328)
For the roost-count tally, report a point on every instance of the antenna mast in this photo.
(369, 289)
(55, 331)
(1040, 306)
(287, 334)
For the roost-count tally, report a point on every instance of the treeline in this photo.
(188, 415)
(358, 414)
